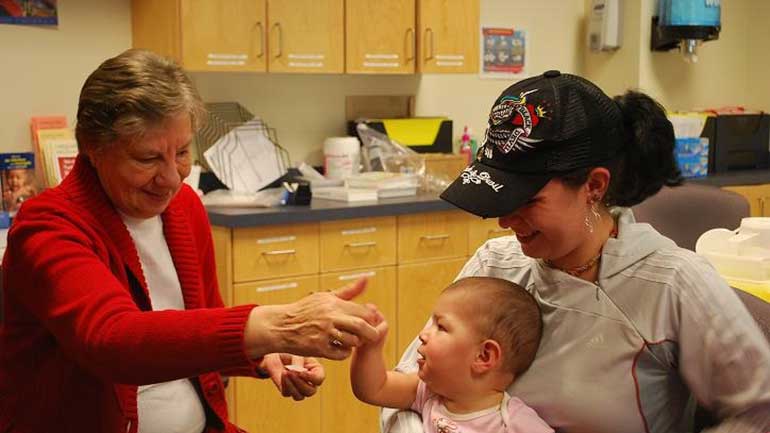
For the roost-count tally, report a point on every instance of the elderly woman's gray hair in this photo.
(130, 94)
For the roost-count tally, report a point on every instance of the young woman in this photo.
(636, 329)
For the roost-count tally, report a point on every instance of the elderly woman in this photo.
(636, 329)
(113, 317)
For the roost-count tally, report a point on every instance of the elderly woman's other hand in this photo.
(294, 376)
(324, 324)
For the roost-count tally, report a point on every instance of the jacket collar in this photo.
(84, 190)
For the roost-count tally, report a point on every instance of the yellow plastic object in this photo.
(760, 289)
(413, 131)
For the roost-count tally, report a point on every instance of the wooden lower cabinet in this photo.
(341, 412)
(408, 260)
(258, 406)
(758, 197)
(419, 284)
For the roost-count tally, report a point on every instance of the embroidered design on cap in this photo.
(470, 174)
(523, 116)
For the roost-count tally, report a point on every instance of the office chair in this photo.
(683, 213)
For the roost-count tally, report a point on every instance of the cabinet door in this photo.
(341, 412)
(223, 35)
(419, 284)
(753, 194)
(764, 200)
(259, 407)
(306, 36)
(448, 36)
(380, 36)
(155, 27)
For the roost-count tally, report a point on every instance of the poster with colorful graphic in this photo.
(504, 53)
(29, 12)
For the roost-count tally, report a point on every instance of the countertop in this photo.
(327, 210)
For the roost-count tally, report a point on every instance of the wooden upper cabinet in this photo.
(204, 35)
(306, 36)
(223, 35)
(380, 36)
(448, 36)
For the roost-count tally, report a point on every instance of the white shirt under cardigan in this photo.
(174, 406)
(629, 353)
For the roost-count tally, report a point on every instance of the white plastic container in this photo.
(342, 156)
(741, 256)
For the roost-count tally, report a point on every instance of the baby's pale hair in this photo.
(507, 313)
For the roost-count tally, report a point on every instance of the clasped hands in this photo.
(322, 324)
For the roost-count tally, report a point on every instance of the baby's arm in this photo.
(373, 383)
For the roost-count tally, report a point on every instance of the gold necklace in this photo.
(577, 270)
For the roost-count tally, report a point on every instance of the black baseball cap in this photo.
(539, 128)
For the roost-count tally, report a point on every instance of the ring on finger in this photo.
(336, 340)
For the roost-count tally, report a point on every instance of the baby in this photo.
(484, 333)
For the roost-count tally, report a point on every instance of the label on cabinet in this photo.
(370, 64)
(310, 60)
(289, 238)
(217, 59)
(450, 60)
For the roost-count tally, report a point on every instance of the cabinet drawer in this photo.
(274, 252)
(432, 236)
(358, 243)
(481, 230)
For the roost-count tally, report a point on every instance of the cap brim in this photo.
(491, 193)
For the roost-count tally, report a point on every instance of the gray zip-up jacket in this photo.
(629, 354)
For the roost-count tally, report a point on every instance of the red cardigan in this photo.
(75, 342)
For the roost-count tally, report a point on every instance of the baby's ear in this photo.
(489, 356)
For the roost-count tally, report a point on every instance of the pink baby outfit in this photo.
(512, 416)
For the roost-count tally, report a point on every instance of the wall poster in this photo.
(29, 12)
(504, 53)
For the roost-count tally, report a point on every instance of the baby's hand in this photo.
(380, 324)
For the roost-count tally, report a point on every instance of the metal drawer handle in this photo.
(370, 244)
(441, 237)
(279, 253)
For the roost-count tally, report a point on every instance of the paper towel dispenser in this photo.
(685, 24)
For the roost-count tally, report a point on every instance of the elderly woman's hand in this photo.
(325, 324)
(294, 376)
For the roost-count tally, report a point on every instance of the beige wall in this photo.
(758, 74)
(719, 77)
(44, 68)
(731, 70)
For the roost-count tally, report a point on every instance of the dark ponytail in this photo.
(647, 162)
